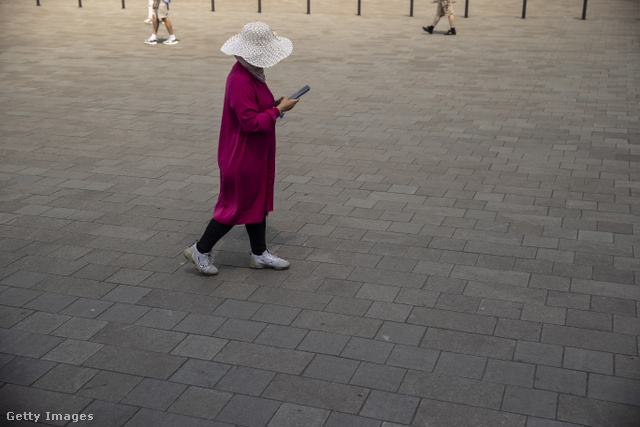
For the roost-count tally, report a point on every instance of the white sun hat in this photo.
(258, 45)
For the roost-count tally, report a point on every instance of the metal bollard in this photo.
(584, 10)
(123, 4)
(358, 8)
(213, 6)
(308, 7)
(524, 9)
(79, 3)
(37, 2)
(466, 8)
(411, 8)
(259, 6)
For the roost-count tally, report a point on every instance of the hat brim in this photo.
(259, 56)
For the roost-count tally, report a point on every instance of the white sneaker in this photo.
(203, 262)
(268, 260)
(151, 41)
(170, 41)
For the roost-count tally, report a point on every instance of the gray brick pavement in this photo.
(461, 215)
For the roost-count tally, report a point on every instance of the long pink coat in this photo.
(246, 150)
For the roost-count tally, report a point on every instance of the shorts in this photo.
(445, 8)
(163, 10)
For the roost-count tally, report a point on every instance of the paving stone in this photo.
(154, 394)
(200, 403)
(316, 393)
(627, 366)
(460, 365)
(401, 333)
(147, 417)
(199, 347)
(324, 343)
(612, 389)
(453, 389)
(510, 373)
(118, 334)
(248, 411)
(445, 414)
(27, 344)
(200, 373)
(50, 302)
(289, 415)
(109, 386)
(72, 351)
(106, 414)
(378, 377)
(336, 323)
(588, 360)
(42, 323)
(542, 354)
(264, 357)
(79, 328)
(529, 401)
(466, 343)
(337, 419)
(584, 411)
(160, 318)
(123, 313)
(589, 339)
(135, 362)
(246, 381)
(561, 380)
(390, 406)
(367, 350)
(20, 399)
(65, 378)
(281, 336)
(24, 371)
(280, 315)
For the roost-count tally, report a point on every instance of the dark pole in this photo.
(466, 8)
(524, 9)
(37, 2)
(308, 7)
(123, 4)
(259, 6)
(213, 6)
(358, 7)
(411, 9)
(584, 10)
(79, 3)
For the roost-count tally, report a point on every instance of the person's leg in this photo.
(260, 256)
(156, 24)
(257, 236)
(452, 21)
(200, 252)
(436, 20)
(215, 231)
(167, 23)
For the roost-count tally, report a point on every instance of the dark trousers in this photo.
(216, 230)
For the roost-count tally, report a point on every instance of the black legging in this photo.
(216, 230)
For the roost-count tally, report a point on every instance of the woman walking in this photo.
(246, 149)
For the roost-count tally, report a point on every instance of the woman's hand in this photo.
(286, 103)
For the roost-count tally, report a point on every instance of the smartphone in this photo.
(301, 92)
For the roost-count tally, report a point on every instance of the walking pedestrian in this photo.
(247, 148)
(161, 13)
(445, 8)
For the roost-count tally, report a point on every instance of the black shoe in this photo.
(451, 32)
(428, 29)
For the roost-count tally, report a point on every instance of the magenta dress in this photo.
(246, 150)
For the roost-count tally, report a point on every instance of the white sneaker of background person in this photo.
(171, 40)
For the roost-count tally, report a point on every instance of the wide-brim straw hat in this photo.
(258, 45)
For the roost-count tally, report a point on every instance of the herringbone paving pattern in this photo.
(462, 217)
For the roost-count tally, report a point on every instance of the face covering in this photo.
(257, 72)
